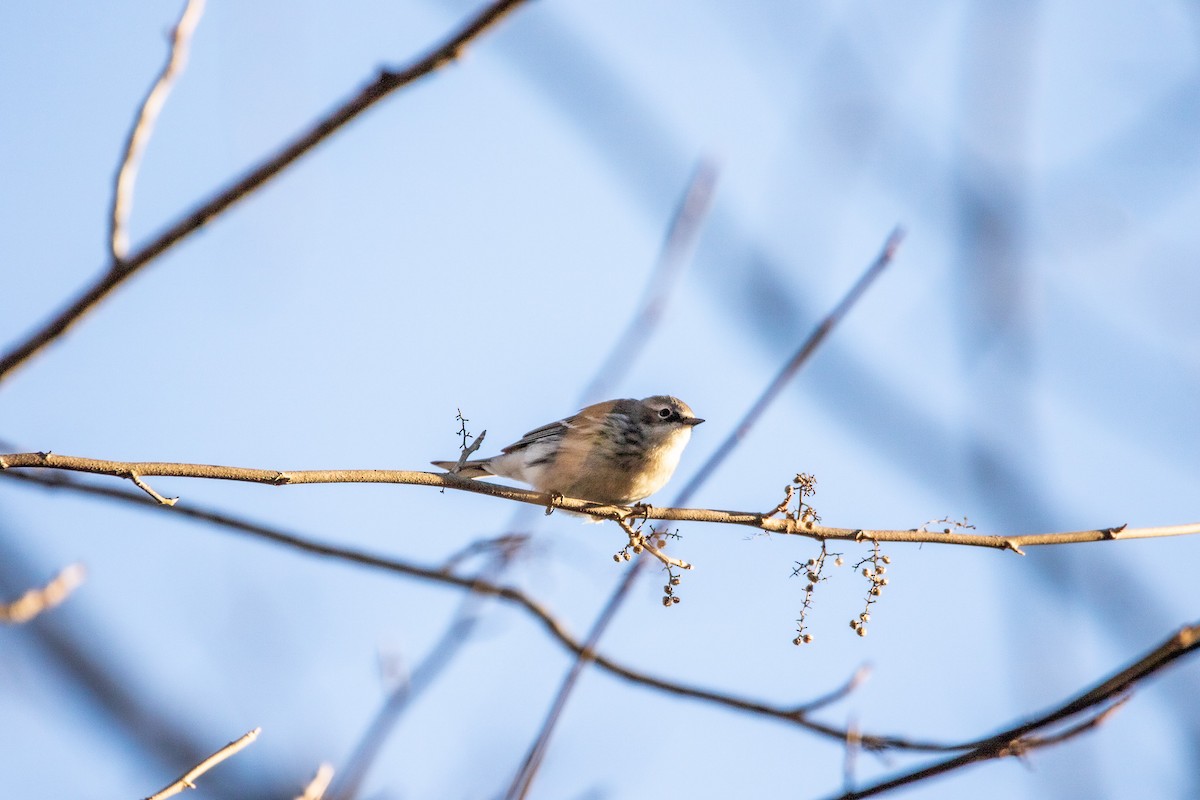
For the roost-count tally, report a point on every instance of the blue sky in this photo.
(478, 241)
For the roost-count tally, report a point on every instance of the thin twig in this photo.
(143, 127)
(188, 779)
(681, 236)
(456, 636)
(753, 519)
(387, 82)
(857, 679)
(145, 487)
(1022, 746)
(35, 601)
(793, 365)
(850, 756)
(467, 451)
(109, 686)
(525, 775)
(638, 540)
(315, 790)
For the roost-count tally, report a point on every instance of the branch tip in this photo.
(188, 779)
(148, 489)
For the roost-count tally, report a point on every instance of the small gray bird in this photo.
(618, 452)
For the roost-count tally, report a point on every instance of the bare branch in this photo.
(1020, 739)
(639, 542)
(467, 451)
(143, 127)
(798, 360)
(145, 487)
(676, 247)
(796, 715)
(387, 82)
(1183, 642)
(188, 779)
(857, 679)
(35, 601)
(753, 519)
(315, 790)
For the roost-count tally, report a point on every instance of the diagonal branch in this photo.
(143, 127)
(682, 233)
(188, 779)
(387, 82)
(1026, 736)
(35, 601)
(528, 770)
(754, 519)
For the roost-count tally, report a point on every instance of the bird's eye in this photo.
(664, 413)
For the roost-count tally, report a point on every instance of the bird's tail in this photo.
(469, 469)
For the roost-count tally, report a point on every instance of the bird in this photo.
(618, 452)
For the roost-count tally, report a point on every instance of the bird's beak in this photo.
(691, 421)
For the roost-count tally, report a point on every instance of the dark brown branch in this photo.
(387, 82)
(1029, 735)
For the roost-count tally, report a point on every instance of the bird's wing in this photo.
(583, 423)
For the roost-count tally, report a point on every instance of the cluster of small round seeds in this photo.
(874, 569)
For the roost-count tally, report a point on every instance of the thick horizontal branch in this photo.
(137, 471)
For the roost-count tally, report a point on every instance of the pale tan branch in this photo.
(148, 489)
(384, 84)
(318, 785)
(143, 127)
(188, 779)
(467, 451)
(753, 519)
(35, 601)
(639, 542)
